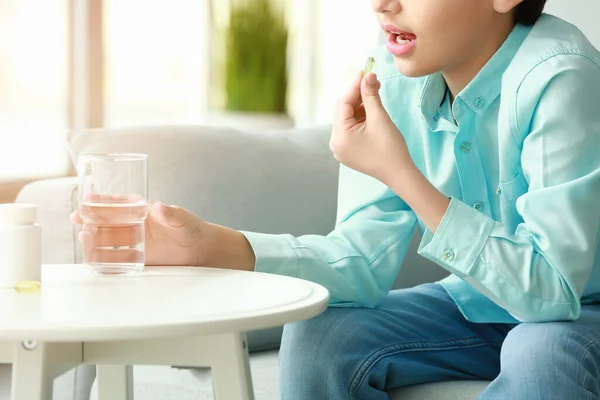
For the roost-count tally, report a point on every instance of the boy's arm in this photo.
(358, 262)
(540, 272)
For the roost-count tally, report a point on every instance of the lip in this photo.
(395, 30)
(399, 49)
(395, 48)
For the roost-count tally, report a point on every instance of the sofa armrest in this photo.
(55, 199)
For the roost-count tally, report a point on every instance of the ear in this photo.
(506, 6)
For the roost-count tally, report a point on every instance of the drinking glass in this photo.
(113, 205)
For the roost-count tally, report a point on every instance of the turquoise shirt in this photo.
(518, 152)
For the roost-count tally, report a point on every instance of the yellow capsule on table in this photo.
(369, 66)
(28, 287)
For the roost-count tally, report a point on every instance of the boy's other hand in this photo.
(364, 137)
(173, 236)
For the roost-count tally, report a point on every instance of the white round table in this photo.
(184, 316)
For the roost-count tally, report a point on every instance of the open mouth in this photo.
(403, 37)
(400, 35)
(400, 42)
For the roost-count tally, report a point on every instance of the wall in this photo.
(583, 13)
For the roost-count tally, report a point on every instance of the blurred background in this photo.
(73, 64)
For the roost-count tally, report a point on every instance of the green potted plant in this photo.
(255, 72)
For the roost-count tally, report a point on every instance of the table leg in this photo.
(115, 382)
(35, 365)
(230, 367)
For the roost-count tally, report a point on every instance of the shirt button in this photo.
(465, 147)
(478, 205)
(498, 191)
(479, 102)
(448, 255)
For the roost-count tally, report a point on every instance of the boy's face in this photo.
(429, 36)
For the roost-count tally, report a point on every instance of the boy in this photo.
(482, 127)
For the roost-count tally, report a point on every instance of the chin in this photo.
(412, 68)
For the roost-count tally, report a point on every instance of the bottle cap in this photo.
(18, 213)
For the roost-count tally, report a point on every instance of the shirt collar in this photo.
(482, 90)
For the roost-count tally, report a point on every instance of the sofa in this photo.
(246, 180)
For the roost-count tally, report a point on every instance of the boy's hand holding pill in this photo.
(364, 137)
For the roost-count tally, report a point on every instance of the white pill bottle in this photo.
(20, 244)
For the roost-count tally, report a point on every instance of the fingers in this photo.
(171, 216)
(112, 198)
(353, 95)
(111, 238)
(75, 218)
(102, 256)
(107, 214)
(106, 236)
(112, 245)
(346, 106)
(359, 114)
(110, 214)
(370, 86)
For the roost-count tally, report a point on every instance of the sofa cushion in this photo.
(244, 180)
(455, 390)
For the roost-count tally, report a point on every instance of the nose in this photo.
(386, 6)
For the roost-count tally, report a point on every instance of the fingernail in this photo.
(372, 79)
(158, 207)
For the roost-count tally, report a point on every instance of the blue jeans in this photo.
(418, 336)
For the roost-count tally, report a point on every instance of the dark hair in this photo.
(529, 11)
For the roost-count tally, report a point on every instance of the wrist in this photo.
(228, 249)
(398, 176)
(421, 196)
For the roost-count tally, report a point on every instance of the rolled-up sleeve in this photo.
(540, 271)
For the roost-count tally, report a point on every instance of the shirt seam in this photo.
(445, 222)
(387, 78)
(559, 52)
(482, 246)
(380, 251)
(523, 292)
(296, 267)
(375, 255)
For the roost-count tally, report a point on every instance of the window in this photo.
(126, 63)
(139, 62)
(33, 88)
(155, 61)
(349, 34)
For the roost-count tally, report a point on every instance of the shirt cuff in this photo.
(459, 239)
(274, 254)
